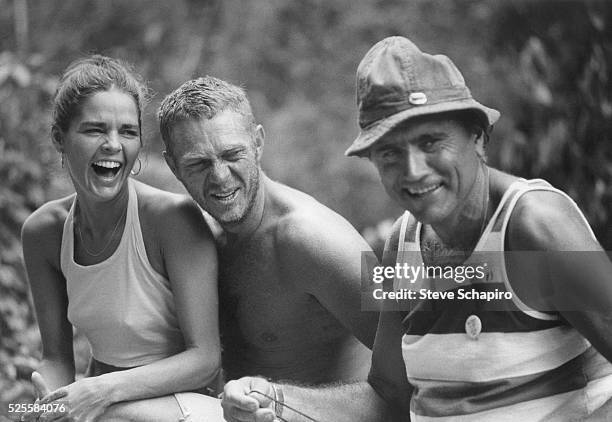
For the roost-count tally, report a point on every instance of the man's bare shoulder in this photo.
(303, 222)
(545, 220)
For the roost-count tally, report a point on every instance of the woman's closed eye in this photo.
(93, 131)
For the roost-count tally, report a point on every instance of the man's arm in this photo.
(578, 275)
(386, 396)
(250, 398)
(322, 254)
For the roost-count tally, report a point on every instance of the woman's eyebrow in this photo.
(94, 123)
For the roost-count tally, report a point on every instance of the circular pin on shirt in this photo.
(473, 327)
(417, 98)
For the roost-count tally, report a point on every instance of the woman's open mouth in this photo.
(106, 169)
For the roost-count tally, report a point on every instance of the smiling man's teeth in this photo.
(224, 196)
(107, 164)
(424, 190)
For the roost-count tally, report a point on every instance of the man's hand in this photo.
(248, 399)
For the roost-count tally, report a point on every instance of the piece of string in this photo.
(285, 405)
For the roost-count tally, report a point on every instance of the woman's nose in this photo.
(111, 143)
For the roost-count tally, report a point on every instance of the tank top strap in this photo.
(408, 233)
(67, 245)
(133, 222)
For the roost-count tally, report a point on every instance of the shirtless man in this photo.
(290, 268)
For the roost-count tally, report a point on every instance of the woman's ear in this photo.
(58, 139)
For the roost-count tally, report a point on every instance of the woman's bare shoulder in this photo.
(49, 218)
(159, 209)
(156, 203)
(42, 231)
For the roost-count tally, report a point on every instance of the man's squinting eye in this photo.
(200, 165)
(131, 132)
(233, 155)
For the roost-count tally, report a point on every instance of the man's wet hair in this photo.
(200, 98)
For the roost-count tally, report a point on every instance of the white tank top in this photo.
(122, 305)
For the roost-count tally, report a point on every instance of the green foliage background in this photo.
(546, 65)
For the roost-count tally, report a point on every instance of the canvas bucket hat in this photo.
(397, 81)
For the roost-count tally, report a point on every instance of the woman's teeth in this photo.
(107, 164)
(106, 168)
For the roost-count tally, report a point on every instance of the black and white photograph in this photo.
(305, 210)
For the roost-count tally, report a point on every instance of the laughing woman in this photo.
(132, 267)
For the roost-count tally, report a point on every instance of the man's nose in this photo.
(415, 166)
(220, 172)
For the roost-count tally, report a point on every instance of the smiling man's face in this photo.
(428, 166)
(217, 160)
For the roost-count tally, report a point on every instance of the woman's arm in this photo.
(41, 239)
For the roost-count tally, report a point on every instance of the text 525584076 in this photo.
(18, 408)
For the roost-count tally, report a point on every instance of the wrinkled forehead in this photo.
(224, 131)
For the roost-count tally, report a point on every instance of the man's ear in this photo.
(480, 145)
(169, 161)
(260, 136)
(58, 139)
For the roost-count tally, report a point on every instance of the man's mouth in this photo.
(422, 190)
(106, 168)
(225, 196)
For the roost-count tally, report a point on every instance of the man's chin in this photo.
(229, 220)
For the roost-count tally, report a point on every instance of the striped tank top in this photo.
(471, 362)
(122, 305)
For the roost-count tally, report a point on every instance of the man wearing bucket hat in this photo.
(542, 351)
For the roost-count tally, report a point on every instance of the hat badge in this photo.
(417, 98)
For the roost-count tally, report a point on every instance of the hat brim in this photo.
(371, 134)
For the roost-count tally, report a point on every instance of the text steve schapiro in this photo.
(468, 294)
